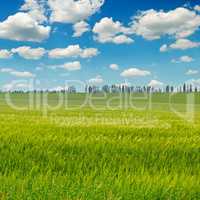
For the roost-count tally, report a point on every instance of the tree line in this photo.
(185, 88)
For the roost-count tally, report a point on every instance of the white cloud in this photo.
(70, 51)
(155, 84)
(73, 51)
(21, 74)
(22, 27)
(80, 28)
(152, 24)
(194, 82)
(197, 8)
(97, 80)
(73, 11)
(109, 31)
(35, 8)
(135, 72)
(122, 39)
(184, 44)
(6, 70)
(30, 53)
(114, 67)
(37, 53)
(58, 89)
(16, 85)
(192, 72)
(185, 59)
(89, 53)
(181, 44)
(72, 66)
(69, 66)
(163, 48)
(4, 54)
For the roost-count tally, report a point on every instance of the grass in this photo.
(94, 152)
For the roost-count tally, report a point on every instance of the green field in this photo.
(109, 148)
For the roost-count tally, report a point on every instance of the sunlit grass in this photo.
(82, 153)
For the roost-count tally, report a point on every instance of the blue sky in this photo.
(99, 42)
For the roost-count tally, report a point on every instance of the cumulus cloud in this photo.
(185, 59)
(197, 8)
(152, 24)
(181, 44)
(106, 30)
(69, 66)
(35, 8)
(5, 54)
(22, 27)
(89, 53)
(73, 51)
(155, 84)
(192, 72)
(80, 28)
(184, 44)
(97, 80)
(163, 48)
(122, 39)
(73, 11)
(114, 67)
(29, 53)
(72, 66)
(70, 51)
(21, 74)
(135, 72)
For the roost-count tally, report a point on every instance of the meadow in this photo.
(96, 148)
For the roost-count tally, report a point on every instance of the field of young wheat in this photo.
(102, 148)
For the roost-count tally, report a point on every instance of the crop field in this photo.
(100, 147)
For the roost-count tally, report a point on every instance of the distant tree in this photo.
(167, 88)
(90, 89)
(86, 89)
(148, 89)
(72, 89)
(114, 88)
(184, 88)
(144, 89)
(191, 88)
(123, 89)
(106, 88)
(172, 89)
